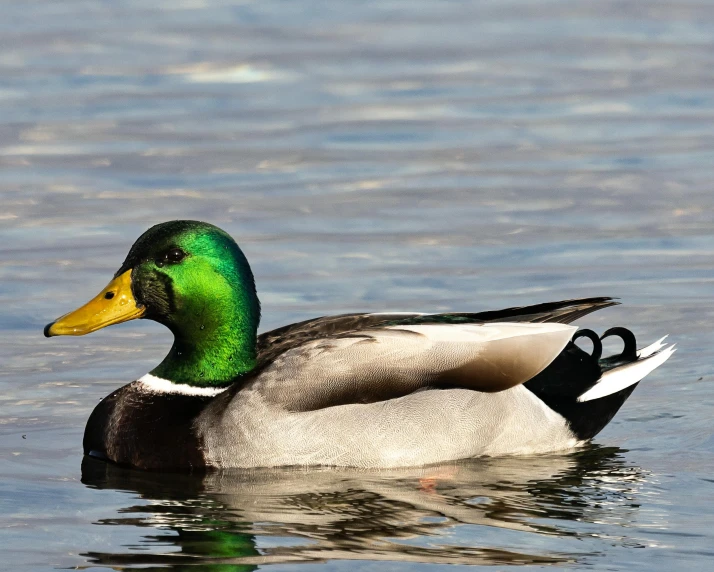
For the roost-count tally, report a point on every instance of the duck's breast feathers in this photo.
(376, 364)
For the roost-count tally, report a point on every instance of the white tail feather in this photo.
(624, 376)
(651, 349)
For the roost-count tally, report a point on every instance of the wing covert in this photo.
(377, 364)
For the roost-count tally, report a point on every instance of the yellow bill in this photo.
(113, 305)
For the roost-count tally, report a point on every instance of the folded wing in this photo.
(273, 343)
(371, 365)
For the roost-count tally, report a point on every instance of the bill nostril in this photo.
(109, 295)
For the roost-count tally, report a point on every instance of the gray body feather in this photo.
(427, 398)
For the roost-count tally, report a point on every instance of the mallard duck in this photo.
(364, 390)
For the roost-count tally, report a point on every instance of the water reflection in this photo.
(439, 514)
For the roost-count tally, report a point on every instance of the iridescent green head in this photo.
(193, 278)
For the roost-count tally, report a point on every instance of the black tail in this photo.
(575, 371)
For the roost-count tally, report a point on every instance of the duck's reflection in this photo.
(483, 511)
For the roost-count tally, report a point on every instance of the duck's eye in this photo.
(173, 256)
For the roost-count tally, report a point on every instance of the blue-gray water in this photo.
(424, 155)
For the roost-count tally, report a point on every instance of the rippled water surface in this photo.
(423, 155)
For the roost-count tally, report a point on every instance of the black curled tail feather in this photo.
(575, 371)
(629, 352)
(596, 341)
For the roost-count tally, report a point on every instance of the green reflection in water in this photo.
(511, 511)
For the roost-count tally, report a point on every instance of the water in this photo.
(367, 156)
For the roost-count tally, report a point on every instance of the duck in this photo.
(366, 390)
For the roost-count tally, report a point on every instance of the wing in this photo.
(376, 364)
(562, 312)
(272, 344)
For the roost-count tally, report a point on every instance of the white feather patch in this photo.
(652, 348)
(624, 376)
(484, 332)
(160, 385)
